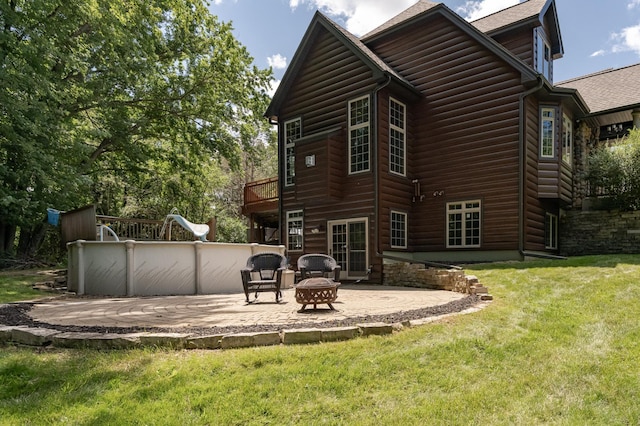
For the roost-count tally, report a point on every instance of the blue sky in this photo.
(596, 34)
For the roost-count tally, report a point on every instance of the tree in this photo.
(96, 92)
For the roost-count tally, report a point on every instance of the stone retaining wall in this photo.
(405, 274)
(599, 232)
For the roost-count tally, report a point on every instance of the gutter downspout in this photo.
(521, 158)
(280, 186)
(376, 180)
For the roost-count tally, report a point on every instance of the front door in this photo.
(348, 242)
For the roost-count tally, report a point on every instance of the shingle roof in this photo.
(412, 12)
(608, 90)
(512, 15)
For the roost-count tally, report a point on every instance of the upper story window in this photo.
(547, 136)
(567, 140)
(359, 139)
(463, 224)
(398, 229)
(543, 61)
(295, 224)
(292, 131)
(397, 138)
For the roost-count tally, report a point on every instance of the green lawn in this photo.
(560, 344)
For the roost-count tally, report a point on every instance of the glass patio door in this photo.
(348, 246)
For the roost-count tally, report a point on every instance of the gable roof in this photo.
(610, 90)
(527, 13)
(408, 14)
(352, 42)
(424, 9)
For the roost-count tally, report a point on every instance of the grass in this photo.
(15, 285)
(560, 344)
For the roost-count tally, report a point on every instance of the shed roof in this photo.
(609, 90)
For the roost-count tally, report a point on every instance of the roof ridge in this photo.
(499, 11)
(596, 73)
(416, 9)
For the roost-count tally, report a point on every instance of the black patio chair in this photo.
(263, 273)
(318, 265)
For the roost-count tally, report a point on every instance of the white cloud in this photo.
(629, 40)
(473, 10)
(277, 61)
(359, 16)
(633, 3)
(597, 53)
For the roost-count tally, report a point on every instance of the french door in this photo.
(348, 245)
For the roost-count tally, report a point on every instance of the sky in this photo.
(596, 34)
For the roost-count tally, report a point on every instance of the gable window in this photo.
(295, 223)
(551, 232)
(359, 144)
(398, 230)
(544, 64)
(567, 140)
(463, 224)
(292, 131)
(397, 132)
(547, 137)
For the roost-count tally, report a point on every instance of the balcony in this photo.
(261, 207)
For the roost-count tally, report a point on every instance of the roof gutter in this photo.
(521, 158)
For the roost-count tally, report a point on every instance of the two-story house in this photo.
(430, 138)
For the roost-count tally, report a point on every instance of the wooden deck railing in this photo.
(261, 191)
(143, 229)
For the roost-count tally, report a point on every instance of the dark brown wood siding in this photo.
(465, 142)
(519, 42)
(330, 77)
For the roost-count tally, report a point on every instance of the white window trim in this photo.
(551, 223)
(288, 143)
(553, 132)
(464, 209)
(544, 67)
(291, 219)
(567, 140)
(350, 128)
(403, 131)
(406, 220)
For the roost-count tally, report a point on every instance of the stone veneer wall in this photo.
(599, 232)
(417, 275)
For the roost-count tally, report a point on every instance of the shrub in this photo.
(615, 172)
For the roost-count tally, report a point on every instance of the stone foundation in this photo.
(599, 232)
(417, 275)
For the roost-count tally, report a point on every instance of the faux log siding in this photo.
(323, 86)
(320, 95)
(395, 191)
(520, 44)
(467, 131)
(533, 209)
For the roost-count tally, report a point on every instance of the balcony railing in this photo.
(261, 191)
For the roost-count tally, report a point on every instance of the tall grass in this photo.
(559, 345)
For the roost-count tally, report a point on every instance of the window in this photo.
(567, 140)
(463, 224)
(398, 230)
(397, 131)
(544, 64)
(359, 135)
(295, 224)
(292, 131)
(547, 138)
(551, 232)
